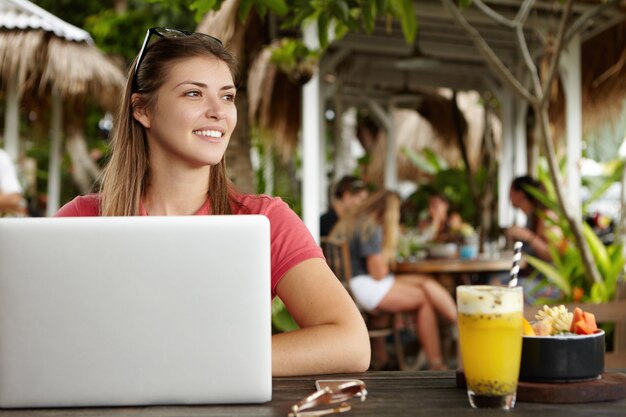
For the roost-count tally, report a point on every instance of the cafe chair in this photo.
(380, 324)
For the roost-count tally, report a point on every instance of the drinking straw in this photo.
(517, 257)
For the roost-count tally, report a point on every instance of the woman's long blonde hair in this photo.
(126, 174)
(382, 208)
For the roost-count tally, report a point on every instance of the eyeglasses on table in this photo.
(327, 396)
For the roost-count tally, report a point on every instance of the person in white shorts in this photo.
(11, 200)
(372, 229)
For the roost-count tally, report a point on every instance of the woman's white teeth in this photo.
(211, 133)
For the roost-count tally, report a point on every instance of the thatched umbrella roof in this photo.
(41, 61)
(603, 60)
(50, 62)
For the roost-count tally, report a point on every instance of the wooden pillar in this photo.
(56, 142)
(311, 139)
(12, 119)
(514, 157)
(570, 70)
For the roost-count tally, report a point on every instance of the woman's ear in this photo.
(139, 110)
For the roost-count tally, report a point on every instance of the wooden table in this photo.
(456, 265)
(394, 394)
(466, 271)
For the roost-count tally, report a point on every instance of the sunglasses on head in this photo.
(163, 33)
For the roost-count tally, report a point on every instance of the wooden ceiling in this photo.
(383, 67)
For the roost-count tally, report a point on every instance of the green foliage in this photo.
(281, 319)
(426, 161)
(447, 181)
(244, 9)
(566, 271)
(339, 15)
(74, 11)
(202, 7)
(122, 33)
(403, 10)
(292, 57)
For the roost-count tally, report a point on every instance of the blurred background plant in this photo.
(566, 271)
(451, 183)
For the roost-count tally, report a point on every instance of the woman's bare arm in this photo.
(376, 266)
(332, 337)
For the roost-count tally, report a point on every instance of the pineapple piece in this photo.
(543, 327)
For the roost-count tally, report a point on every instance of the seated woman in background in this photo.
(173, 126)
(372, 230)
(534, 234)
(435, 227)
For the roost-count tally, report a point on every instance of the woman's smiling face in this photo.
(194, 114)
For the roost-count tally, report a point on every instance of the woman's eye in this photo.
(193, 93)
(229, 97)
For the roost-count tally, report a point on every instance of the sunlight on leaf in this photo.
(202, 7)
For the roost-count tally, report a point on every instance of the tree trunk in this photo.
(575, 224)
(471, 180)
(491, 184)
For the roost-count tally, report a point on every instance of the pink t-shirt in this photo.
(291, 241)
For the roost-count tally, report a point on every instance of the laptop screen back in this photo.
(134, 310)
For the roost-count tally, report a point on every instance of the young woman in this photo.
(534, 234)
(175, 119)
(372, 229)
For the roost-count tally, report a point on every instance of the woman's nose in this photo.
(215, 109)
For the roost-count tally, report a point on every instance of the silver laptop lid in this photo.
(134, 310)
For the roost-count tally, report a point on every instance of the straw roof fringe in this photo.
(225, 25)
(76, 70)
(79, 70)
(603, 60)
(258, 81)
(274, 103)
(416, 132)
(20, 53)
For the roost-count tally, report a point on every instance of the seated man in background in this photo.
(349, 192)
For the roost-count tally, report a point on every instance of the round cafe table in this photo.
(462, 269)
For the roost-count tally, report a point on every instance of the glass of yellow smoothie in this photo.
(490, 339)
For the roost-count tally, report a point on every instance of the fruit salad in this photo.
(550, 321)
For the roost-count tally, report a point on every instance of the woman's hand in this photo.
(520, 233)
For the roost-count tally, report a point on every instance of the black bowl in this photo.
(562, 358)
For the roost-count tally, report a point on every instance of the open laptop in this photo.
(121, 311)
